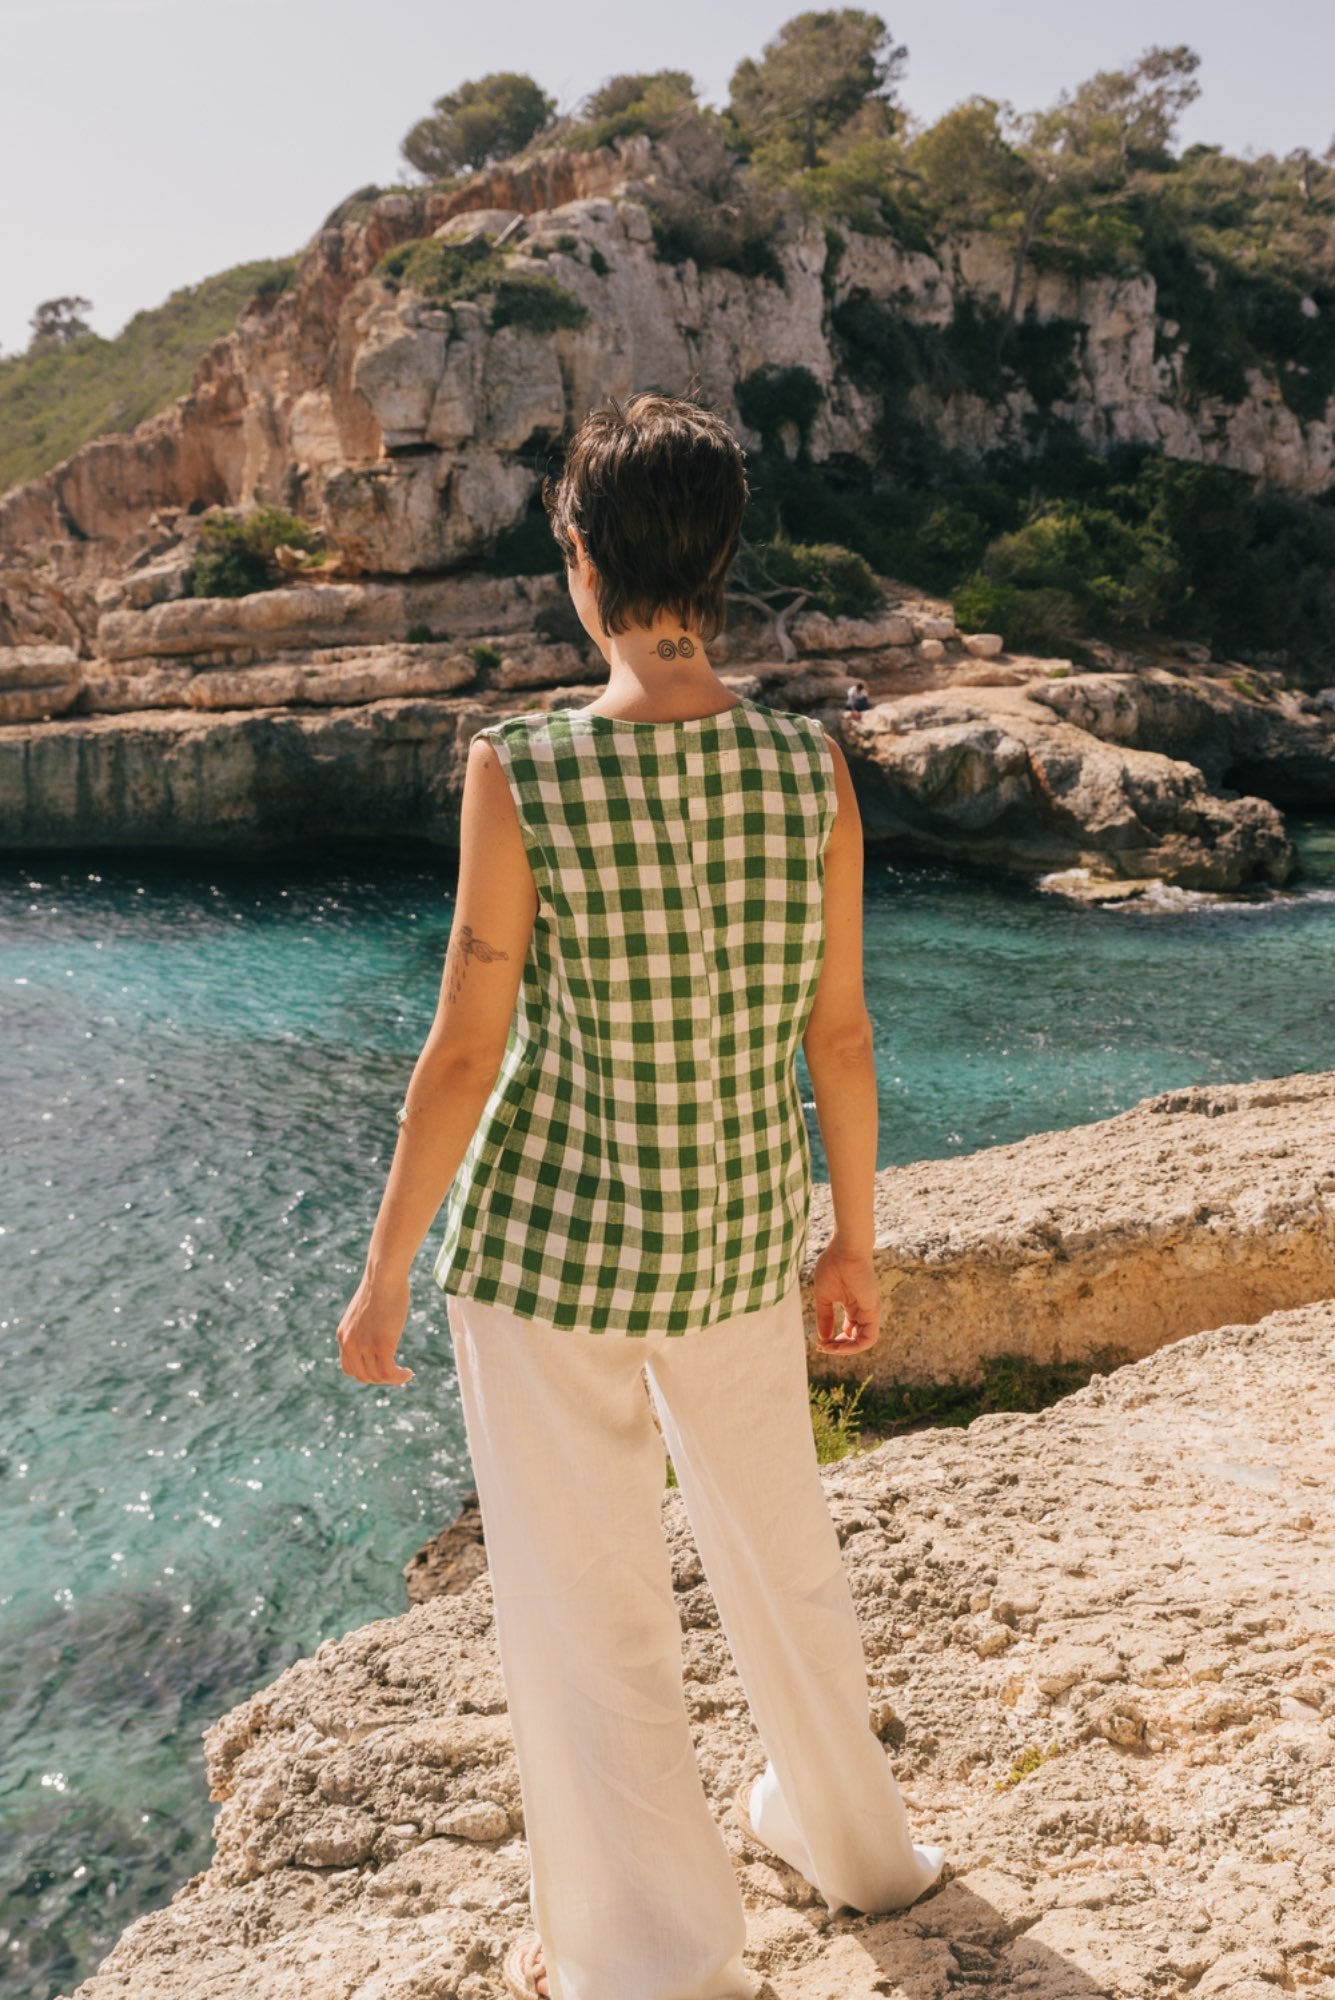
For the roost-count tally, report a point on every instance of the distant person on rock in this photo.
(858, 698)
(659, 897)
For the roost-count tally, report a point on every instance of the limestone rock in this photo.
(977, 774)
(1192, 1208)
(947, 775)
(814, 632)
(327, 614)
(331, 388)
(329, 679)
(37, 681)
(451, 1560)
(984, 645)
(1283, 747)
(927, 626)
(243, 778)
(1098, 1840)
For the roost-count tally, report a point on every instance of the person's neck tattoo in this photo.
(676, 649)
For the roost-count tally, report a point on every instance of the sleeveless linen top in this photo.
(642, 1162)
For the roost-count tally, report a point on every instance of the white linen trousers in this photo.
(632, 1888)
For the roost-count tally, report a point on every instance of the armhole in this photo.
(537, 860)
(831, 807)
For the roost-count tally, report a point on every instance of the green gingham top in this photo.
(642, 1163)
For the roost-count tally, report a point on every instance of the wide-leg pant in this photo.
(632, 1888)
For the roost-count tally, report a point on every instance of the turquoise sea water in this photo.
(201, 1062)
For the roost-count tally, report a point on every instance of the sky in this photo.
(145, 144)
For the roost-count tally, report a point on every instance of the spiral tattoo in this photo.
(682, 648)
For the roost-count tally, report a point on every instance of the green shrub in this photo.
(537, 303)
(227, 572)
(598, 264)
(640, 102)
(419, 635)
(236, 551)
(836, 1423)
(271, 283)
(979, 353)
(688, 225)
(1026, 1763)
(858, 187)
(1166, 546)
(836, 1420)
(444, 272)
(484, 656)
(771, 397)
(839, 581)
(1042, 619)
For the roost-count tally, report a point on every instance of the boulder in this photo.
(451, 1560)
(945, 775)
(984, 645)
(1281, 746)
(1194, 1207)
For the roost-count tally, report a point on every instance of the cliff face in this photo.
(413, 433)
(400, 424)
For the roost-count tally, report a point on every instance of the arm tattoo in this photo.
(465, 946)
(683, 648)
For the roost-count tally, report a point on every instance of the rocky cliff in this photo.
(411, 429)
(400, 423)
(1100, 1640)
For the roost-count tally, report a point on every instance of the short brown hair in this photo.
(657, 488)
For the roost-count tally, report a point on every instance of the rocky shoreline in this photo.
(1100, 1639)
(409, 436)
(299, 715)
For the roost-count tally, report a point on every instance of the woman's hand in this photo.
(372, 1328)
(847, 1295)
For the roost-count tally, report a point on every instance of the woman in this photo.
(659, 894)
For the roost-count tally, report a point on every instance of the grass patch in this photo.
(1026, 1764)
(836, 1420)
(1008, 1382)
(54, 401)
(847, 1421)
(1246, 688)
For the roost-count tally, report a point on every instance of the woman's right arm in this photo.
(837, 1045)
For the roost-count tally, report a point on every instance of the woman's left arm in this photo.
(495, 905)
